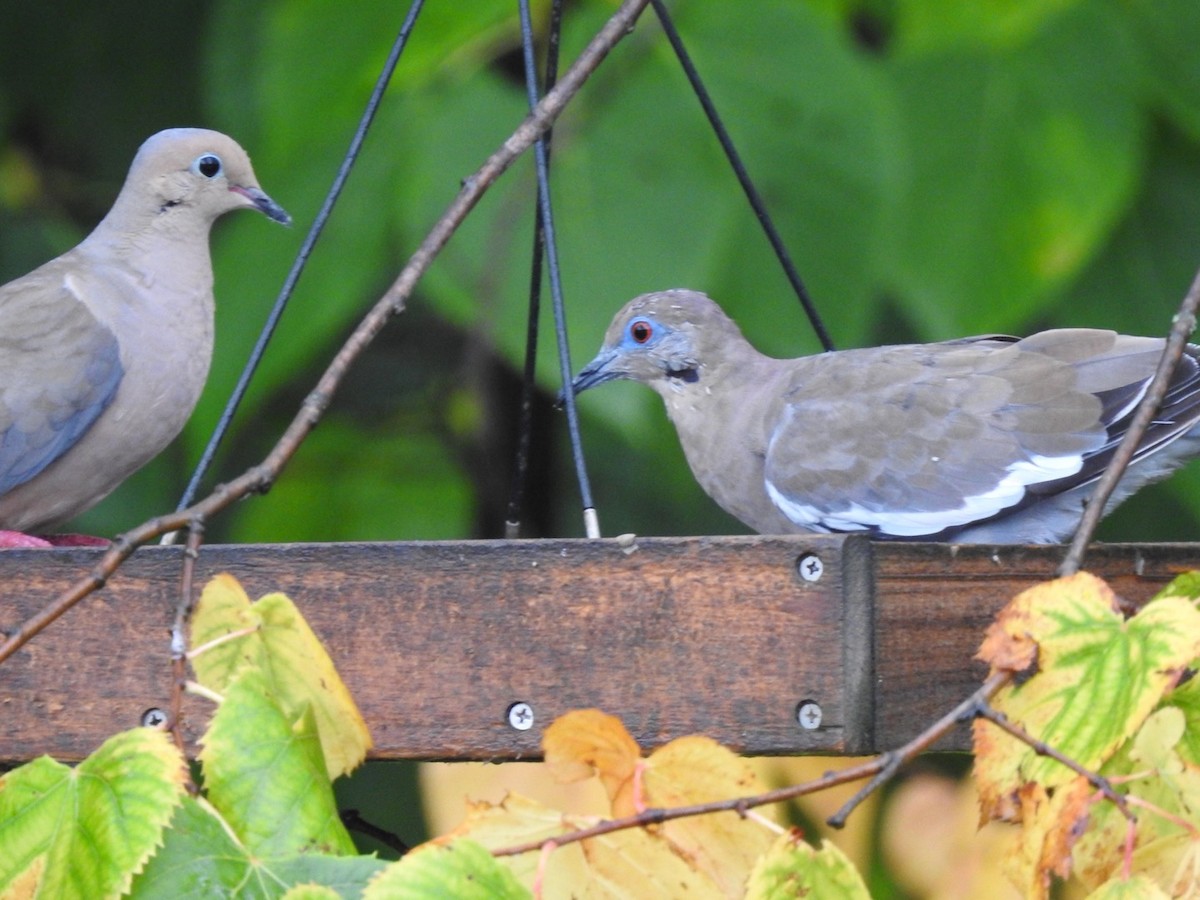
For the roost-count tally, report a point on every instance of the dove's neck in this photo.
(721, 419)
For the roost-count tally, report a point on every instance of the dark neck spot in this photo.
(691, 376)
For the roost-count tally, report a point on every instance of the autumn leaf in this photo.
(1089, 659)
(588, 742)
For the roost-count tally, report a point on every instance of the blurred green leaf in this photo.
(1024, 160)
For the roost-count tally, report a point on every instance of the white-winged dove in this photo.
(989, 439)
(104, 350)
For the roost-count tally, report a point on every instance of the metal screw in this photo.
(154, 717)
(520, 716)
(808, 714)
(810, 567)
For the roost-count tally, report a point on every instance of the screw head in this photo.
(154, 718)
(808, 714)
(810, 567)
(520, 716)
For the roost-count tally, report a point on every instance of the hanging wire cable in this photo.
(591, 523)
(743, 177)
(516, 500)
(310, 240)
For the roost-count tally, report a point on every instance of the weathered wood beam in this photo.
(436, 640)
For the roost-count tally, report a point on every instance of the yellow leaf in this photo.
(635, 862)
(273, 636)
(585, 742)
(519, 820)
(697, 769)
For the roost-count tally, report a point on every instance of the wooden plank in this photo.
(934, 601)
(718, 636)
(675, 635)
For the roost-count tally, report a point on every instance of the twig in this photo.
(260, 477)
(1182, 326)
(183, 611)
(1041, 748)
(355, 822)
(894, 759)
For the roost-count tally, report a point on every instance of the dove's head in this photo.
(668, 340)
(193, 175)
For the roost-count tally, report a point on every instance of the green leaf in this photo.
(1186, 585)
(1088, 657)
(1022, 163)
(1169, 31)
(200, 859)
(276, 641)
(84, 832)
(792, 868)
(928, 25)
(387, 482)
(265, 773)
(463, 870)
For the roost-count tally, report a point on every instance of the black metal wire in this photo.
(310, 241)
(541, 158)
(516, 500)
(735, 161)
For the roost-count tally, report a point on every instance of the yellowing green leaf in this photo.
(463, 870)
(1088, 658)
(1186, 698)
(1154, 746)
(264, 772)
(792, 868)
(84, 832)
(1149, 767)
(279, 643)
(586, 742)
(1173, 863)
(697, 769)
(1136, 888)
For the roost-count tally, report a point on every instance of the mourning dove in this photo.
(104, 350)
(980, 440)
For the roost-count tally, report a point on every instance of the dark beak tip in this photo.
(275, 212)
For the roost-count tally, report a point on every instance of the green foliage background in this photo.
(937, 168)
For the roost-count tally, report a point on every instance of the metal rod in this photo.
(289, 284)
(743, 177)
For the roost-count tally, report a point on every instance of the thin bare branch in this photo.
(1182, 326)
(260, 477)
(1041, 748)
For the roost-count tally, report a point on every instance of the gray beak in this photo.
(594, 373)
(264, 204)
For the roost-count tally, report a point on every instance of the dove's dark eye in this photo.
(640, 331)
(208, 165)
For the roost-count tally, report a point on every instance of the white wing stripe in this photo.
(913, 523)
